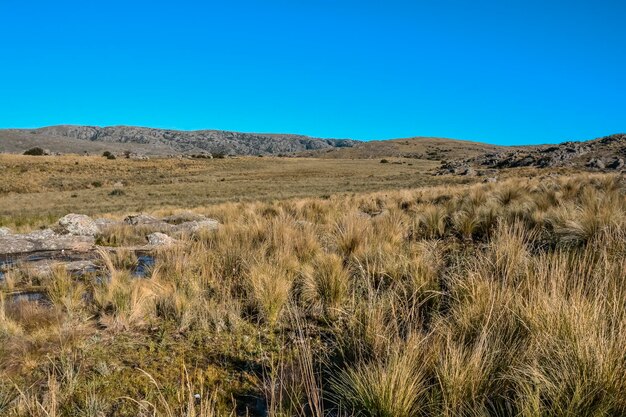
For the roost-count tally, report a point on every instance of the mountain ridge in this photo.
(153, 141)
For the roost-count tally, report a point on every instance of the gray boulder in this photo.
(196, 226)
(44, 241)
(160, 239)
(184, 217)
(78, 225)
(596, 163)
(140, 219)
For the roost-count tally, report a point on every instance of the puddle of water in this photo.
(145, 264)
(5, 264)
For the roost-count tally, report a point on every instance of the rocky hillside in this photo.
(607, 153)
(140, 140)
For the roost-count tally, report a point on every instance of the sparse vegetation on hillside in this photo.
(142, 140)
(494, 299)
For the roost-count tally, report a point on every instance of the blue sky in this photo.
(499, 71)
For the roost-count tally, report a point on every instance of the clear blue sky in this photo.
(500, 71)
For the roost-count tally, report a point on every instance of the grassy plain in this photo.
(483, 299)
(48, 187)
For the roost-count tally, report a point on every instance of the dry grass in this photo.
(36, 190)
(501, 299)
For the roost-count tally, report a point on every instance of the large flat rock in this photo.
(20, 244)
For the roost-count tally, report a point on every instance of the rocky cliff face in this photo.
(187, 142)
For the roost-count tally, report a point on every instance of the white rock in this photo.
(78, 225)
(160, 239)
(196, 226)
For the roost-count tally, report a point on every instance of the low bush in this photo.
(36, 151)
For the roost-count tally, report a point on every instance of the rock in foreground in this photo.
(160, 239)
(19, 244)
(78, 225)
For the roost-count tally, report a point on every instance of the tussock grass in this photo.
(325, 284)
(502, 299)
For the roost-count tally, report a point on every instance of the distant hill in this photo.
(416, 147)
(147, 141)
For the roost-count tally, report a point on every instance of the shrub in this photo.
(384, 161)
(36, 151)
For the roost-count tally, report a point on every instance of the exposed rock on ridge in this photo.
(607, 153)
(186, 142)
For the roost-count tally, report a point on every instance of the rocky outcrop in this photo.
(71, 244)
(457, 168)
(606, 153)
(616, 163)
(597, 163)
(77, 232)
(613, 163)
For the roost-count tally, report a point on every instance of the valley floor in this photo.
(35, 187)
